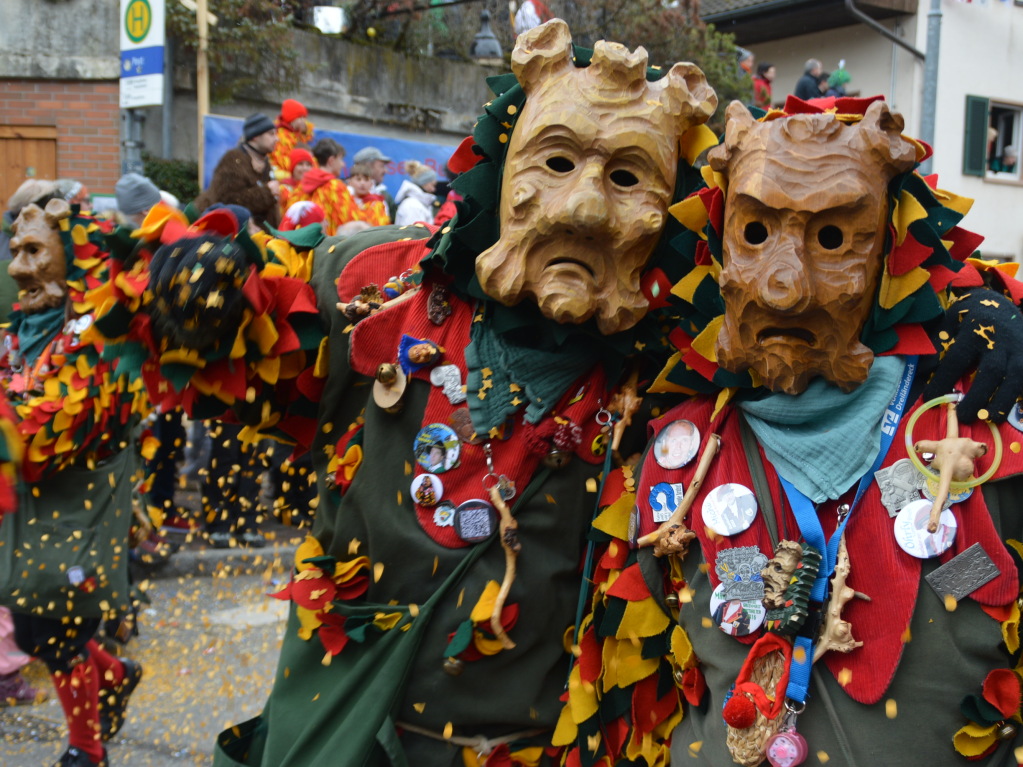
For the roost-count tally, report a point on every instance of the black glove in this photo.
(981, 330)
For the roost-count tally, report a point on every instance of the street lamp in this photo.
(485, 48)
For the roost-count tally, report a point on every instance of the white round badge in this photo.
(427, 489)
(677, 444)
(736, 617)
(911, 530)
(729, 509)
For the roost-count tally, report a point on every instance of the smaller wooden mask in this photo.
(804, 235)
(590, 172)
(38, 264)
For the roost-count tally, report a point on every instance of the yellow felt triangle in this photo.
(686, 287)
(907, 210)
(485, 605)
(705, 344)
(632, 666)
(662, 385)
(614, 520)
(696, 141)
(691, 214)
(713, 178)
(565, 732)
(582, 697)
(895, 289)
(973, 739)
(642, 619)
(682, 648)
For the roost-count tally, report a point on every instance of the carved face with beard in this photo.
(589, 175)
(803, 241)
(38, 263)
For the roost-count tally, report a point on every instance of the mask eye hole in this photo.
(755, 233)
(624, 178)
(830, 237)
(560, 165)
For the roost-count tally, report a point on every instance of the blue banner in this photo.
(223, 133)
(142, 61)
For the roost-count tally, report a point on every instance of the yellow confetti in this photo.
(550, 499)
(799, 654)
(1018, 754)
(845, 676)
(413, 610)
(419, 707)
(891, 710)
(408, 468)
(1014, 447)
(822, 757)
(983, 414)
(694, 748)
(461, 596)
(378, 571)
(436, 563)
(686, 595)
(593, 742)
(707, 622)
(399, 497)
(591, 485)
(449, 729)
(951, 603)
(316, 697)
(907, 636)
(353, 546)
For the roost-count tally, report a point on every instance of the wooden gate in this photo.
(26, 151)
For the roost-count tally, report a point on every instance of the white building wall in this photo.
(981, 54)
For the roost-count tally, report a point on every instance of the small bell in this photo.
(1006, 730)
(453, 666)
(678, 675)
(557, 459)
(672, 600)
(389, 387)
(330, 481)
(387, 373)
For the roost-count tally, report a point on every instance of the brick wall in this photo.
(87, 117)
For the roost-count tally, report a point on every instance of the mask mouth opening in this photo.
(773, 334)
(574, 262)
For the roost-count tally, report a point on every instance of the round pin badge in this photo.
(444, 514)
(736, 617)
(676, 445)
(437, 448)
(930, 492)
(664, 499)
(427, 489)
(911, 530)
(1016, 417)
(475, 520)
(729, 509)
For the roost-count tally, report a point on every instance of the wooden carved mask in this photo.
(589, 175)
(805, 220)
(38, 264)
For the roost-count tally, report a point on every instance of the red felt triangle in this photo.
(907, 256)
(964, 242)
(913, 339)
(1002, 690)
(590, 661)
(630, 585)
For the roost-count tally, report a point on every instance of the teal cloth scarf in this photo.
(824, 440)
(543, 374)
(36, 330)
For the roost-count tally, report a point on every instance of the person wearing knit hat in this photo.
(243, 175)
(415, 196)
(377, 162)
(136, 194)
(300, 162)
(293, 129)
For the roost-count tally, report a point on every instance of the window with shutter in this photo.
(975, 139)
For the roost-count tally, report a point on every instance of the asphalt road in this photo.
(208, 645)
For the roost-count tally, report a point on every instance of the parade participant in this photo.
(323, 186)
(294, 128)
(64, 553)
(526, 365)
(820, 259)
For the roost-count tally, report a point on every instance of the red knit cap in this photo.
(298, 154)
(292, 110)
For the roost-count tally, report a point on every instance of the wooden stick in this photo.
(511, 545)
(709, 452)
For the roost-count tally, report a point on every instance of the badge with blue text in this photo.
(664, 499)
(437, 448)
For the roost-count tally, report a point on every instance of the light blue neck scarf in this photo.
(824, 440)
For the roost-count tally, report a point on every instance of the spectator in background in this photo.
(807, 87)
(415, 197)
(74, 193)
(1006, 163)
(531, 13)
(300, 162)
(378, 162)
(372, 205)
(322, 186)
(242, 177)
(293, 129)
(837, 81)
(135, 194)
(762, 85)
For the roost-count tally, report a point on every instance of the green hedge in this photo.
(179, 177)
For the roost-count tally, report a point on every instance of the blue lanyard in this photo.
(810, 526)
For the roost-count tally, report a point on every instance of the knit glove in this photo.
(981, 330)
